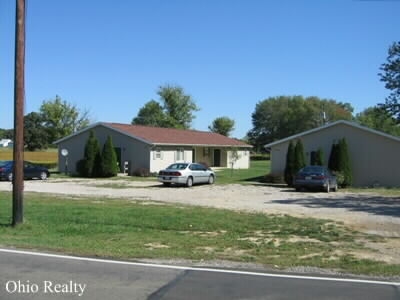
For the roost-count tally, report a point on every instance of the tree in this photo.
(279, 117)
(344, 163)
(290, 164)
(7, 134)
(222, 125)
(391, 77)
(319, 157)
(91, 156)
(151, 114)
(62, 118)
(339, 163)
(35, 134)
(299, 158)
(175, 111)
(109, 159)
(178, 106)
(379, 119)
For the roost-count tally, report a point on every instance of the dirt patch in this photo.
(152, 246)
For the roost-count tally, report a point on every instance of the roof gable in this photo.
(167, 136)
(353, 124)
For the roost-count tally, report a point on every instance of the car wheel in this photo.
(10, 177)
(189, 182)
(43, 175)
(335, 188)
(167, 183)
(211, 179)
(327, 188)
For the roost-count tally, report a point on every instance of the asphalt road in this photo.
(36, 276)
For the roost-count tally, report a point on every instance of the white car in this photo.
(186, 174)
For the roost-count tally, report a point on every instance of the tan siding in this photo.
(374, 158)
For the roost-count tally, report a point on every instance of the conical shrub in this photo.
(289, 167)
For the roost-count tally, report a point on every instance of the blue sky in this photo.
(110, 57)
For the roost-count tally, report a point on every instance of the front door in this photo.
(217, 157)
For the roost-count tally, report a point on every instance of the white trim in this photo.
(211, 270)
(353, 124)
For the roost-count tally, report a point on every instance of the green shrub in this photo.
(109, 159)
(344, 163)
(290, 164)
(339, 178)
(299, 157)
(319, 157)
(256, 157)
(339, 163)
(91, 158)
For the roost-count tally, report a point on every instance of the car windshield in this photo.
(177, 166)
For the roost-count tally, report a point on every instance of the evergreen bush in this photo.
(92, 150)
(109, 159)
(344, 163)
(300, 160)
(319, 157)
(289, 167)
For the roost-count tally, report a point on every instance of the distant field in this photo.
(37, 156)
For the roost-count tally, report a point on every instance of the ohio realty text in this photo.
(45, 287)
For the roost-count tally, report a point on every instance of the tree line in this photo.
(274, 118)
(56, 119)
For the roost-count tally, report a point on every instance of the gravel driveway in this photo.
(364, 212)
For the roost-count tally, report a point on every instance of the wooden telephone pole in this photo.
(19, 99)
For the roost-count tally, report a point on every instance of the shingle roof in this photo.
(171, 136)
(168, 136)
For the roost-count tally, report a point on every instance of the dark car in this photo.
(30, 171)
(315, 177)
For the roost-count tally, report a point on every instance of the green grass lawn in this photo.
(130, 229)
(256, 172)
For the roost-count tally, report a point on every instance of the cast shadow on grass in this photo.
(376, 205)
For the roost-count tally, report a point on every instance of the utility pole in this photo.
(19, 99)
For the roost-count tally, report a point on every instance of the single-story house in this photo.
(6, 143)
(374, 155)
(154, 148)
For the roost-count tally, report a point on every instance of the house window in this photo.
(157, 154)
(180, 155)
